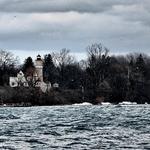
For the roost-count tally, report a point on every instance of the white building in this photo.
(55, 85)
(37, 78)
(20, 80)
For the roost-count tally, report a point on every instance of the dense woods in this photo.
(101, 77)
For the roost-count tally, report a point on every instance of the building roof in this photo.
(38, 57)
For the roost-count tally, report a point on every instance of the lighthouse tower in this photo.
(39, 67)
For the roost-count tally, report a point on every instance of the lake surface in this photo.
(75, 127)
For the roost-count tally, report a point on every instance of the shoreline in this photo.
(76, 104)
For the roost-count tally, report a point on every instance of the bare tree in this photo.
(7, 59)
(98, 68)
(63, 57)
(98, 61)
(7, 66)
(97, 50)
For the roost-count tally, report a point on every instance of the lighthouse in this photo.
(39, 67)
(37, 77)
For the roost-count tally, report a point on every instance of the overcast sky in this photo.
(28, 27)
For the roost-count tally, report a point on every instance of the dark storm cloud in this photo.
(42, 6)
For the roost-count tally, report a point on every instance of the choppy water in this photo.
(75, 127)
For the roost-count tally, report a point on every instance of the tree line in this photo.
(101, 77)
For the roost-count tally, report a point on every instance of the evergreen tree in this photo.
(50, 71)
(137, 80)
(72, 76)
(27, 64)
(28, 67)
(140, 64)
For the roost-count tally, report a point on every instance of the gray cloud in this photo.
(133, 10)
(46, 30)
(40, 6)
(123, 26)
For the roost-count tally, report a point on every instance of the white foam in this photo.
(127, 103)
(82, 104)
(106, 103)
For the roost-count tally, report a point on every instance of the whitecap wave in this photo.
(106, 103)
(128, 103)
